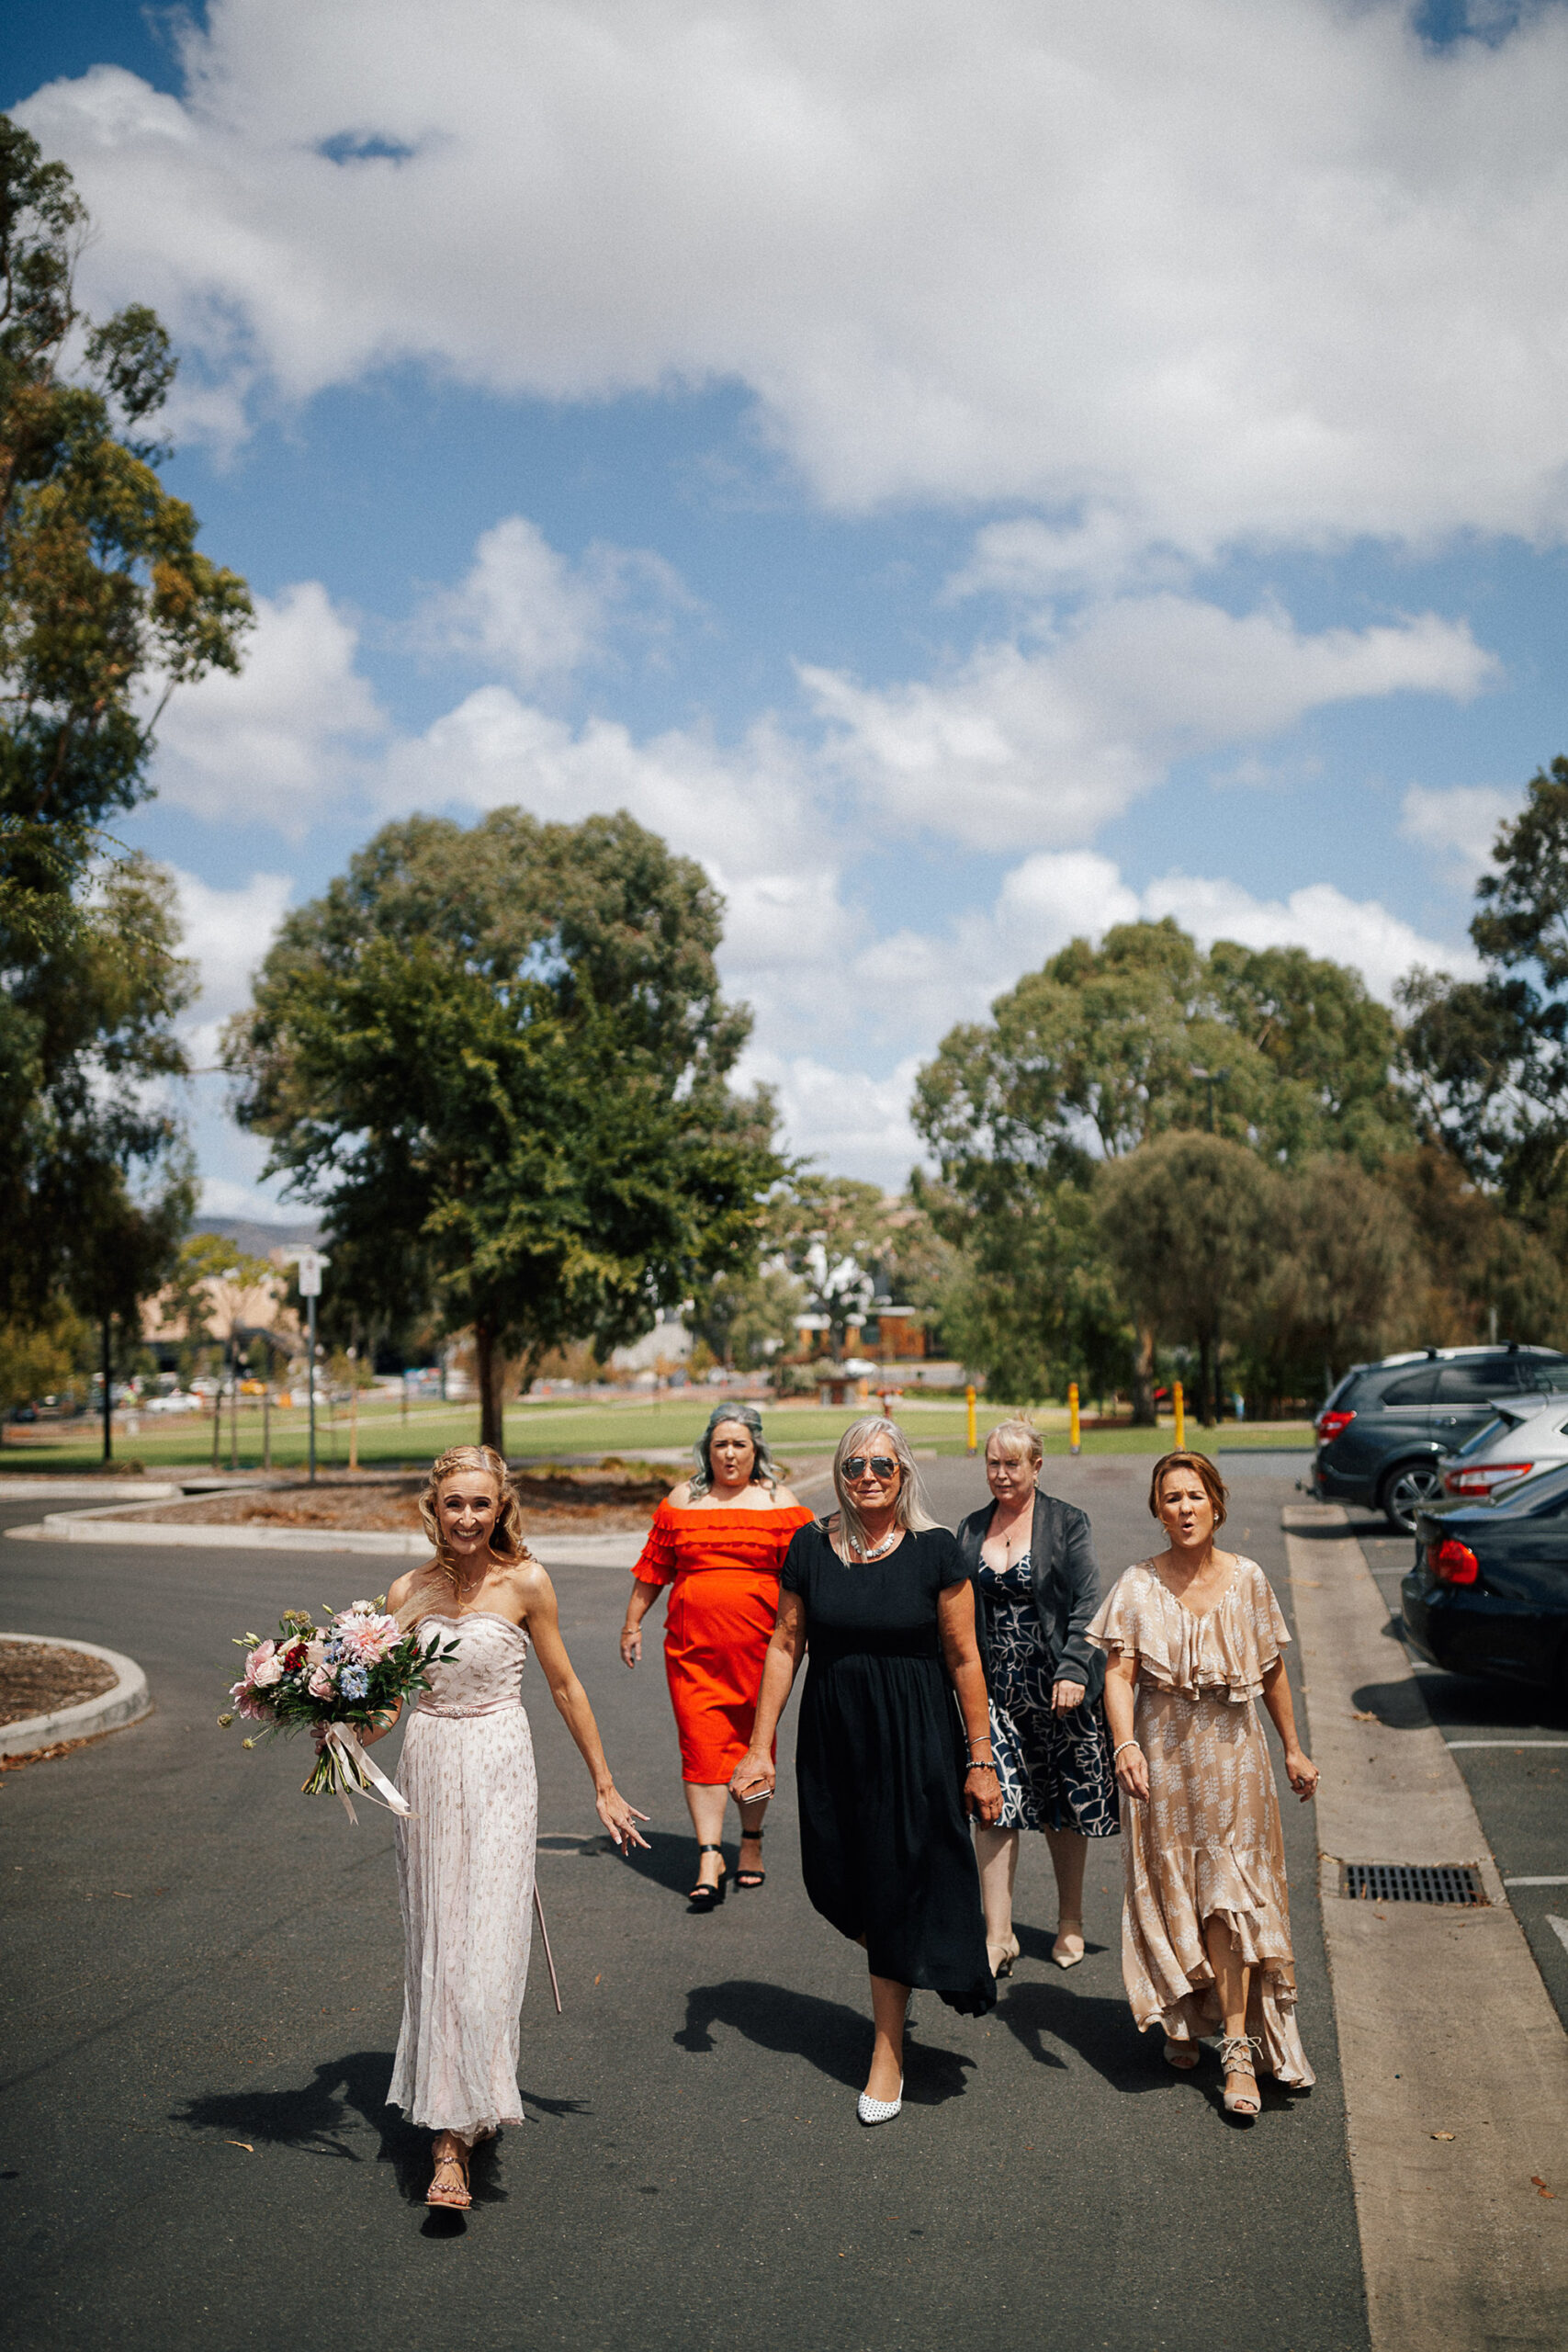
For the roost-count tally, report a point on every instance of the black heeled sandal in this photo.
(708, 1898)
(746, 1879)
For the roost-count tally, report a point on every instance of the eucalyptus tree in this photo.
(498, 1058)
(106, 606)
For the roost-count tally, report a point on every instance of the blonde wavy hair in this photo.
(1017, 1437)
(910, 1511)
(507, 1537)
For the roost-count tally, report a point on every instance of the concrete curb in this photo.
(89, 1490)
(1455, 2063)
(110, 1711)
(613, 1551)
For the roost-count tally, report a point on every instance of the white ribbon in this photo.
(341, 1742)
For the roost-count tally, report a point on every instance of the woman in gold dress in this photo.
(1194, 1635)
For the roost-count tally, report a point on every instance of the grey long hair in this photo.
(910, 1509)
(765, 1470)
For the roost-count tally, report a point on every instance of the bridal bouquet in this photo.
(336, 1679)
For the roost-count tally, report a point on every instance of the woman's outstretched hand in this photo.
(631, 1644)
(753, 1777)
(620, 1819)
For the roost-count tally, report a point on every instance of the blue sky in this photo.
(968, 470)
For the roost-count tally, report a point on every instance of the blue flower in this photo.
(353, 1682)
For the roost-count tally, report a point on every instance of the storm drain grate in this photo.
(1413, 1882)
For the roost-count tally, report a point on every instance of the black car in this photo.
(1387, 1426)
(1488, 1593)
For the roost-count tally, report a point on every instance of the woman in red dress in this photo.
(719, 1540)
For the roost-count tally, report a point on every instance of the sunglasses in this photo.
(881, 1465)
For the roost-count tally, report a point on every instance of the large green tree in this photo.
(1191, 1224)
(1090, 1059)
(106, 607)
(499, 1058)
(1490, 1056)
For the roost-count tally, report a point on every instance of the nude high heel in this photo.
(1236, 2057)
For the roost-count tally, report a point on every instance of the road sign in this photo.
(310, 1263)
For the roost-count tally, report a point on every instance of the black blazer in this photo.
(1067, 1587)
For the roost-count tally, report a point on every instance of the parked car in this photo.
(1523, 1436)
(1488, 1593)
(177, 1403)
(1385, 1429)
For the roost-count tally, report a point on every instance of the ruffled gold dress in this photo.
(1208, 1842)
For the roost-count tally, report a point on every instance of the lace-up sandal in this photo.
(443, 2193)
(746, 1879)
(1236, 2057)
(1182, 2056)
(708, 1898)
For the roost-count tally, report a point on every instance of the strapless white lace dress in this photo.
(466, 1882)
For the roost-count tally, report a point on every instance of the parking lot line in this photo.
(1559, 1928)
(1507, 1743)
(1535, 1882)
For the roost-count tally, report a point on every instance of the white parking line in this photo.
(1535, 1882)
(1559, 1928)
(1507, 1743)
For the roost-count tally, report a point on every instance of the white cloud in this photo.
(1318, 917)
(1459, 824)
(227, 933)
(1280, 274)
(278, 743)
(1019, 746)
(856, 1125)
(524, 610)
(221, 1196)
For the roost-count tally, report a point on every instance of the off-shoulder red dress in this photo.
(723, 1566)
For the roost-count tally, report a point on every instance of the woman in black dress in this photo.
(884, 1771)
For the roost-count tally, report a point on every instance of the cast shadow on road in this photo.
(671, 1862)
(1398, 1706)
(1099, 2027)
(831, 2036)
(320, 2119)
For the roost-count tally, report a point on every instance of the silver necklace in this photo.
(879, 1551)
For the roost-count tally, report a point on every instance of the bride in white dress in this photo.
(466, 1852)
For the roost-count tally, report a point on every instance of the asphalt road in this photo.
(1520, 1789)
(202, 1986)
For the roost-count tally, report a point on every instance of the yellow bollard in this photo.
(1176, 1399)
(969, 1402)
(1075, 1438)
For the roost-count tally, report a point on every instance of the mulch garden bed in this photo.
(36, 1677)
(609, 1498)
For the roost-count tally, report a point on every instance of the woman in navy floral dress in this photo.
(1030, 1560)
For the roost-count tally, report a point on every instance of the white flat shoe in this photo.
(878, 2110)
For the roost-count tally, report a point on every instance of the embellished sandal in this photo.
(458, 2198)
(746, 1879)
(708, 1898)
(1236, 2057)
(1182, 2056)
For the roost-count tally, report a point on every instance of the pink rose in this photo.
(263, 1666)
(321, 1685)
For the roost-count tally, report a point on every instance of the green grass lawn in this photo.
(543, 1429)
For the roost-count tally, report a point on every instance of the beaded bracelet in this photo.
(981, 1764)
(1126, 1743)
